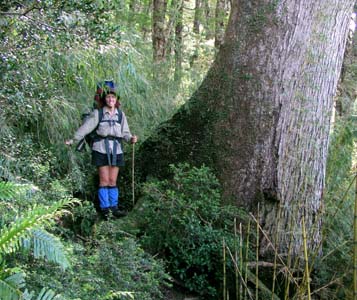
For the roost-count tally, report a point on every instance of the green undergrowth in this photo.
(109, 263)
(330, 268)
(183, 221)
(101, 261)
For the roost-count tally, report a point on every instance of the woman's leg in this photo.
(113, 175)
(104, 175)
(114, 192)
(112, 187)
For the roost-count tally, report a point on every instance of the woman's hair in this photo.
(102, 102)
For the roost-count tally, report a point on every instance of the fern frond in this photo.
(27, 295)
(8, 292)
(7, 190)
(47, 246)
(10, 236)
(48, 294)
(45, 294)
(16, 280)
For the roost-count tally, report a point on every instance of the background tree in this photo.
(159, 38)
(208, 19)
(344, 103)
(197, 17)
(178, 41)
(220, 17)
(261, 117)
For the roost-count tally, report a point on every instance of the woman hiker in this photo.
(107, 152)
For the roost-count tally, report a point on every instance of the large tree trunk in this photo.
(261, 117)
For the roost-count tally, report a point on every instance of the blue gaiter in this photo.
(113, 192)
(103, 196)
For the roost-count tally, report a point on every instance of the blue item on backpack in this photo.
(107, 86)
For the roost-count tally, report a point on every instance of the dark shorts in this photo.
(100, 159)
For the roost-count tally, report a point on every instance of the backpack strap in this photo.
(100, 117)
(106, 139)
(120, 116)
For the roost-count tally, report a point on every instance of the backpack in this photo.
(92, 136)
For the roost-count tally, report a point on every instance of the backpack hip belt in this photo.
(107, 148)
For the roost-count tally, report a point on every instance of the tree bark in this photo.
(345, 100)
(208, 20)
(261, 117)
(178, 42)
(220, 15)
(158, 30)
(197, 17)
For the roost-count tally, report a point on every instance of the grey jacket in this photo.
(105, 129)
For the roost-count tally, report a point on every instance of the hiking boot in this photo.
(118, 213)
(105, 212)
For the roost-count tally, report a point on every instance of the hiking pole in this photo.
(133, 174)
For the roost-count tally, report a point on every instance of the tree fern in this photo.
(47, 246)
(24, 232)
(48, 294)
(9, 287)
(7, 190)
(45, 294)
(11, 235)
(16, 280)
(9, 292)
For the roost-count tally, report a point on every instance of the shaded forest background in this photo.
(53, 245)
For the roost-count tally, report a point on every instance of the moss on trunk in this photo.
(261, 117)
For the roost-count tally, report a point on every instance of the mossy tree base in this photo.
(261, 117)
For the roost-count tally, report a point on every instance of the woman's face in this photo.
(110, 100)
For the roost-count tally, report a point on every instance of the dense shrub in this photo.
(183, 220)
(109, 265)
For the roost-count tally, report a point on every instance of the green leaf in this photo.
(47, 246)
(16, 280)
(10, 236)
(7, 190)
(8, 292)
